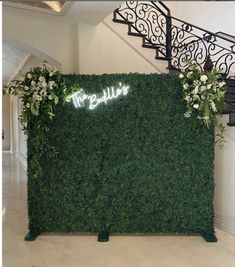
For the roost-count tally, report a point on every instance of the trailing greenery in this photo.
(135, 164)
(40, 91)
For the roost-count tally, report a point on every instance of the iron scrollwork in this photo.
(191, 43)
(177, 40)
(146, 19)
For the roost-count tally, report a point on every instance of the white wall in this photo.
(45, 32)
(108, 49)
(81, 47)
(225, 182)
(211, 15)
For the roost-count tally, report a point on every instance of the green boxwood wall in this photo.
(135, 165)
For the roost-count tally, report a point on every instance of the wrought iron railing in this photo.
(147, 19)
(176, 40)
(194, 43)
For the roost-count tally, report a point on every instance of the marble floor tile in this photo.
(85, 251)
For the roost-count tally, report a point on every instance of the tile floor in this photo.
(84, 251)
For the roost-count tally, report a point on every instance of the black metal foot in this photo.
(103, 236)
(30, 236)
(209, 237)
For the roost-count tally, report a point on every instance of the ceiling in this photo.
(50, 5)
(91, 12)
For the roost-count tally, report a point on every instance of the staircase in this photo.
(175, 40)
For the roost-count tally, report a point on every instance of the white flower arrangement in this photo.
(203, 92)
(38, 90)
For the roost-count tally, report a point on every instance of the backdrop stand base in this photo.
(30, 236)
(209, 237)
(103, 236)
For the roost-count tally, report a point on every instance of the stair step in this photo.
(231, 82)
(163, 58)
(228, 108)
(173, 70)
(122, 21)
(150, 46)
(229, 96)
(229, 100)
(136, 34)
(231, 119)
(231, 89)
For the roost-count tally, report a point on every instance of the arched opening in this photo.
(18, 58)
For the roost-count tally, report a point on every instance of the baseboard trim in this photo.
(219, 222)
(23, 160)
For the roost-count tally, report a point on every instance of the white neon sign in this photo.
(80, 98)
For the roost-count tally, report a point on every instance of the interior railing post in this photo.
(168, 37)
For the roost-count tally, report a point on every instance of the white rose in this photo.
(185, 86)
(203, 97)
(43, 93)
(196, 97)
(209, 86)
(221, 84)
(44, 84)
(51, 83)
(28, 105)
(195, 91)
(196, 106)
(189, 74)
(26, 88)
(50, 97)
(203, 88)
(29, 76)
(203, 78)
(181, 76)
(187, 98)
(42, 79)
(187, 114)
(39, 98)
(33, 83)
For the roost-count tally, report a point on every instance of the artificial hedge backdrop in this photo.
(135, 165)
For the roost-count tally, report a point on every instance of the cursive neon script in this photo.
(80, 98)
